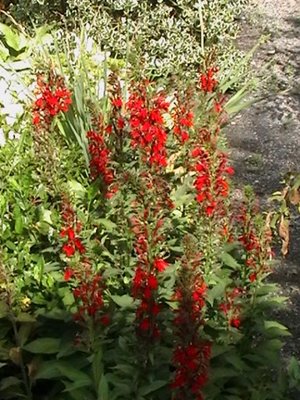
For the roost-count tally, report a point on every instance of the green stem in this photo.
(22, 365)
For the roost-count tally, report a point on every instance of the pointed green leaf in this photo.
(152, 387)
(43, 346)
(229, 261)
(124, 301)
(103, 390)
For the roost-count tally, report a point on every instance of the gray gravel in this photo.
(265, 139)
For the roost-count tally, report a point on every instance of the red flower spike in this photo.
(53, 98)
(105, 320)
(100, 158)
(208, 83)
(79, 246)
(160, 264)
(191, 355)
(68, 274)
(148, 132)
(117, 102)
(235, 322)
(253, 277)
(71, 234)
(145, 325)
(152, 282)
(69, 250)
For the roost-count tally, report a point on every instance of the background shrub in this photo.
(165, 35)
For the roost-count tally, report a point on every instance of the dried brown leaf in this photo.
(284, 233)
(15, 355)
(294, 196)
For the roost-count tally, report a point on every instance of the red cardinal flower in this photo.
(160, 264)
(69, 250)
(68, 274)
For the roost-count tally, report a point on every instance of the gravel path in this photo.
(265, 139)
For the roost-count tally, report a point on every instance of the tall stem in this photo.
(22, 365)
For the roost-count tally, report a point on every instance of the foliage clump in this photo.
(169, 36)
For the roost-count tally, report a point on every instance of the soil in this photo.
(265, 139)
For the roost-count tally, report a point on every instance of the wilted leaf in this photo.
(284, 233)
(294, 196)
(32, 367)
(15, 355)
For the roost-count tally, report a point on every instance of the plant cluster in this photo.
(129, 267)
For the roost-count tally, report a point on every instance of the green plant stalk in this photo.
(22, 366)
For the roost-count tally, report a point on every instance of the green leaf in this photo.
(228, 260)
(55, 313)
(45, 216)
(217, 291)
(8, 382)
(24, 317)
(152, 387)
(97, 366)
(269, 351)
(18, 220)
(13, 38)
(108, 225)
(294, 370)
(48, 370)
(274, 324)
(71, 386)
(266, 289)
(274, 329)
(3, 309)
(24, 333)
(124, 301)
(217, 350)
(56, 368)
(43, 346)
(235, 361)
(220, 373)
(4, 53)
(77, 189)
(74, 374)
(103, 390)
(182, 196)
